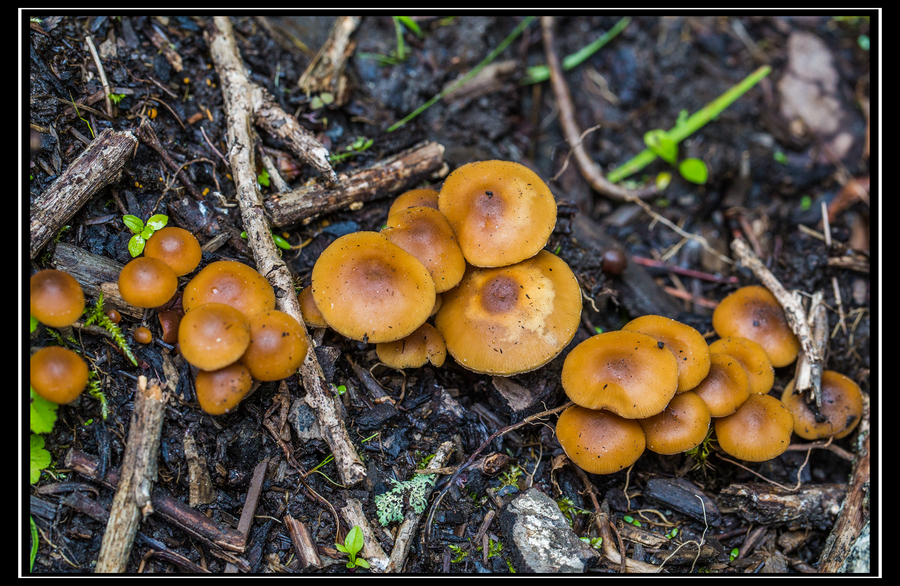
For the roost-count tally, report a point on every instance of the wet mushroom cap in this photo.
(681, 426)
(213, 336)
(502, 212)
(512, 319)
(232, 283)
(599, 442)
(426, 234)
(220, 391)
(685, 342)
(370, 289)
(758, 431)
(628, 373)
(841, 409)
(58, 374)
(753, 357)
(424, 345)
(726, 387)
(176, 247)
(147, 282)
(754, 313)
(414, 198)
(56, 298)
(278, 346)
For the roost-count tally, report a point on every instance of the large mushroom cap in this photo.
(425, 233)
(414, 198)
(628, 373)
(176, 247)
(213, 335)
(599, 442)
(511, 319)
(840, 412)
(726, 387)
(147, 282)
(58, 374)
(685, 342)
(754, 313)
(501, 211)
(57, 299)
(371, 290)
(278, 346)
(681, 426)
(758, 431)
(753, 357)
(231, 283)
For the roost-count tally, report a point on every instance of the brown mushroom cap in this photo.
(727, 385)
(231, 283)
(681, 426)
(220, 391)
(213, 335)
(686, 343)
(56, 298)
(370, 289)
(758, 431)
(176, 247)
(599, 442)
(424, 345)
(628, 373)
(841, 409)
(501, 211)
(511, 319)
(414, 198)
(310, 311)
(426, 234)
(753, 357)
(147, 282)
(58, 374)
(278, 346)
(753, 313)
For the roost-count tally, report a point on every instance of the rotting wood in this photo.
(812, 506)
(372, 552)
(249, 509)
(325, 72)
(96, 167)
(304, 546)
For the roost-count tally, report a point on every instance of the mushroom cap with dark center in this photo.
(278, 346)
(220, 391)
(58, 374)
(599, 442)
(56, 298)
(753, 313)
(628, 373)
(213, 335)
(753, 357)
(840, 412)
(511, 319)
(726, 387)
(681, 426)
(426, 234)
(176, 247)
(232, 283)
(501, 211)
(424, 345)
(147, 282)
(370, 289)
(758, 431)
(685, 342)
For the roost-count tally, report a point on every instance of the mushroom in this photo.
(56, 298)
(512, 319)
(628, 373)
(310, 311)
(213, 335)
(424, 345)
(681, 426)
(147, 282)
(687, 344)
(232, 283)
(426, 234)
(176, 247)
(278, 346)
(58, 374)
(370, 289)
(415, 197)
(142, 335)
(758, 431)
(220, 391)
(841, 409)
(599, 442)
(753, 357)
(501, 211)
(727, 385)
(754, 313)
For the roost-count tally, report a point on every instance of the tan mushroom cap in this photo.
(628, 373)
(686, 343)
(599, 442)
(213, 335)
(511, 319)
(841, 409)
(58, 374)
(414, 198)
(147, 282)
(727, 385)
(424, 345)
(753, 357)
(232, 283)
(176, 247)
(310, 311)
(278, 346)
(501, 211)
(370, 289)
(758, 431)
(753, 313)
(681, 426)
(220, 391)
(426, 234)
(56, 298)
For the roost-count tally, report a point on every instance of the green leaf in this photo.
(694, 170)
(411, 25)
(354, 539)
(147, 232)
(158, 221)
(134, 223)
(281, 242)
(42, 414)
(263, 178)
(40, 458)
(136, 245)
(362, 563)
(34, 544)
(34, 323)
(662, 146)
(341, 548)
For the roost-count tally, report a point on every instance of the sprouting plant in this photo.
(95, 315)
(672, 533)
(263, 178)
(413, 493)
(357, 146)
(659, 141)
(77, 113)
(142, 231)
(700, 453)
(353, 544)
(511, 478)
(733, 554)
(459, 554)
(95, 390)
(569, 510)
(116, 98)
(631, 520)
(594, 542)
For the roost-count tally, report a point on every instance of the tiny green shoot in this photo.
(594, 542)
(34, 544)
(694, 170)
(353, 544)
(459, 554)
(142, 231)
(116, 98)
(357, 146)
(780, 157)
(805, 202)
(733, 554)
(631, 520)
(672, 533)
(263, 178)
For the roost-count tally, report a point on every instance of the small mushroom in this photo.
(310, 311)
(220, 391)
(727, 385)
(599, 442)
(681, 426)
(413, 198)
(754, 313)
(232, 283)
(501, 211)
(841, 409)
(686, 343)
(426, 234)
(628, 373)
(753, 357)
(424, 345)
(176, 247)
(57, 299)
(147, 282)
(58, 374)
(278, 346)
(213, 335)
(758, 431)
(143, 335)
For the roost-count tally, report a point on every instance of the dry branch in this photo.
(325, 73)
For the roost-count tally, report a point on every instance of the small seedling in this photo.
(459, 554)
(357, 146)
(672, 533)
(733, 554)
(263, 178)
(353, 544)
(569, 510)
(662, 145)
(594, 542)
(631, 520)
(116, 98)
(700, 453)
(142, 231)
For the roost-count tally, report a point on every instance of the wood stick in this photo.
(325, 73)
(132, 500)
(304, 547)
(355, 517)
